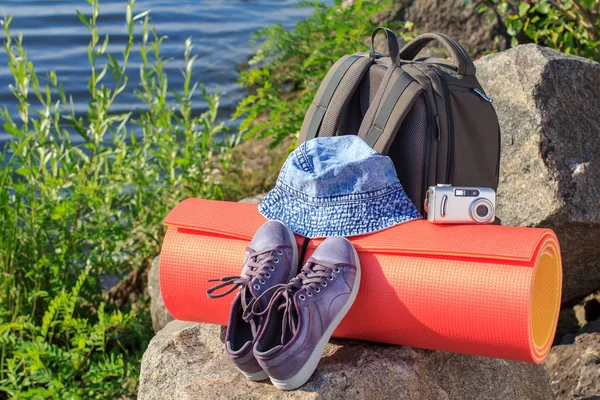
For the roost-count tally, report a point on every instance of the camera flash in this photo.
(460, 192)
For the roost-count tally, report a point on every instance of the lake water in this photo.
(54, 38)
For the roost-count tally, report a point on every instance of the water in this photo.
(54, 38)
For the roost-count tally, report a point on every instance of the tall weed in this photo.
(570, 26)
(289, 65)
(82, 198)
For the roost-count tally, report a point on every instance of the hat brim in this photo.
(348, 218)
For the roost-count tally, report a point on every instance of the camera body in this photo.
(446, 204)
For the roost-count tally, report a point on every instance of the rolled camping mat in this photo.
(476, 289)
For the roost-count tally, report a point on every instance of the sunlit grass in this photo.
(71, 214)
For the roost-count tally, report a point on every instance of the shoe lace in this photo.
(257, 266)
(313, 274)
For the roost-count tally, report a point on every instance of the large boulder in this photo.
(457, 18)
(574, 369)
(254, 199)
(573, 366)
(187, 361)
(158, 311)
(548, 105)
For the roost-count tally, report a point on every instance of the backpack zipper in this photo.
(483, 95)
(432, 120)
(449, 160)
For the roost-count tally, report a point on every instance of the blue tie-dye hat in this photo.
(338, 186)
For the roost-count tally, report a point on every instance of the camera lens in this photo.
(481, 210)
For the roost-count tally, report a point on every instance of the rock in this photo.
(582, 318)
(457, 19)
(592, 310)
(253, 200)
(453, 17)
(574, 370)
(547, 103)
(158, 311)
(187, 361)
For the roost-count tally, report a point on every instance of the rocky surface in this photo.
(253, 200)
(574, 369)
(187, 361)
(547, 103)
(457, 19)
(453, 17)
(573, 364)
(158, 311)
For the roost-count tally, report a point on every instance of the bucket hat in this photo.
(338, 186)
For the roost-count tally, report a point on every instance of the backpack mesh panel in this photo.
(382, 76)
(410, 152)
(370, 85)
(361, 99)
(330, 126)
(351, 116)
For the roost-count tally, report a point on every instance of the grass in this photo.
(289, 65)
(570, 26)
(76, 212)
(72, 214)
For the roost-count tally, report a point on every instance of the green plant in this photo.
(290, 65)
(82, 198)
(571, 26)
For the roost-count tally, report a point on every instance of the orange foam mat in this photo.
(477, 289)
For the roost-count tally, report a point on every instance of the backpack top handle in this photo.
(392, 40)
(460, 56)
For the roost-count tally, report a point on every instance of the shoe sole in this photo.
(311, 364)
(257, 376)
(262, 375)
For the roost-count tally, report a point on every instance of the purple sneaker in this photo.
(302, 315)
(271, 259)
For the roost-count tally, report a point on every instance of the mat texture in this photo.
(476, 289)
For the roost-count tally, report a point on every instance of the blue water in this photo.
(55, 39)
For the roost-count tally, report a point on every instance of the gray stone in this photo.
(158, 311)
(254, 199)
(453, 17)
(457, 19)
(574, 369)
(548, 105)
(187, 361)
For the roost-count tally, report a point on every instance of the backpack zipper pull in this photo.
(483, 96)
(437, 124)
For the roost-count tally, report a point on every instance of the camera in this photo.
(446, 204)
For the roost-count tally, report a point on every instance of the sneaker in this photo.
(271, 259)
(302, 315)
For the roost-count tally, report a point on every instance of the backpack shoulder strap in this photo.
(389, 108)
(340, 83)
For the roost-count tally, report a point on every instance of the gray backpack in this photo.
(429, 115)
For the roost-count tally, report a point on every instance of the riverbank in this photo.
(73, 212)
(56, 40)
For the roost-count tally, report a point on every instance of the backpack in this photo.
(429, 115)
